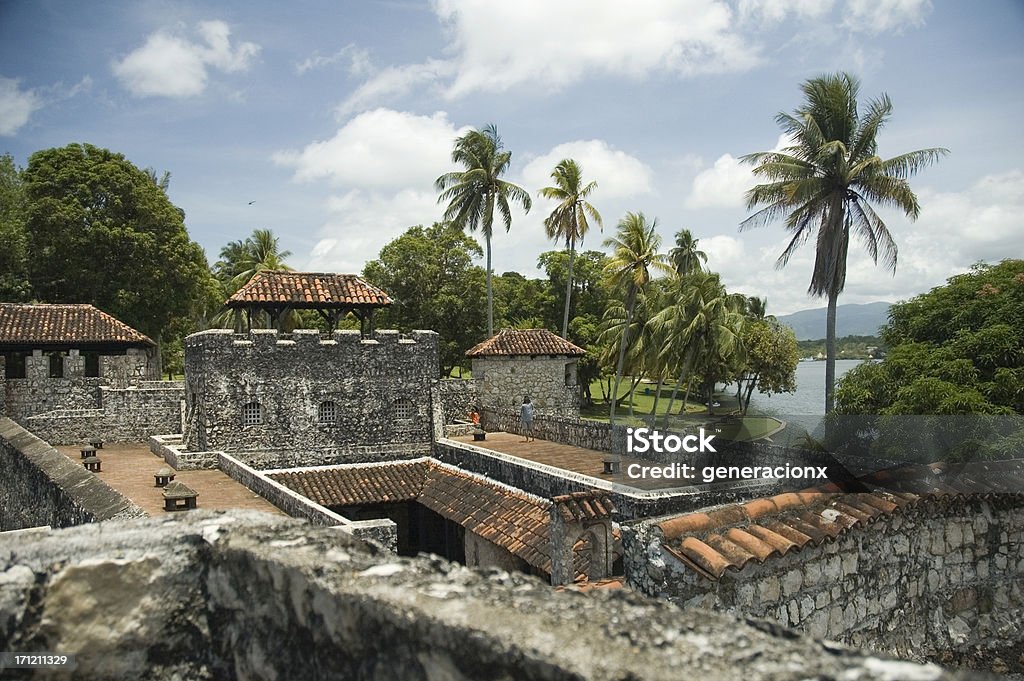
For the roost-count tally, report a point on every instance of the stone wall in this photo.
(380, 389)
(502, 382)
(548, 481)
(458, 398)
(567, 430)
(250, 596)
(38, 392)
(41, 486)
(940, 578)
(127, 415)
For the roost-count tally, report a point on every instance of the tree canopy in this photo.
(101, 231)
(14, 284)
(958, 349)
(429, 272)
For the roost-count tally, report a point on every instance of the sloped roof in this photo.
(731, 536)
(308, 290)
(67, 325)
(512, 519)
(525, 342)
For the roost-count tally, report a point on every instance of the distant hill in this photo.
(851, 320)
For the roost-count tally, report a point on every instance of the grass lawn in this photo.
(725, 421)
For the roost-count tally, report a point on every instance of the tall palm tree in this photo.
(629, 269)
(474, 193)
(262, 252)
(686, 257)
(823, 186)
(568, 220)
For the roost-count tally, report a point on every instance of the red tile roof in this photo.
(512, 519)
(729, 537)
(67, 325)
(591, 505)
(308, 290)
(520, 342)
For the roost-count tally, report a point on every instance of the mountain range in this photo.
(851, 320)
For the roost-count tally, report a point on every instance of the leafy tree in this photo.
(521, 302)
(473, 194)
(685, 256)
(958, 349)
(589, 291)
(568, 221)
(430, 274)
(14, 286)
(823, 186)
(771, 359)
(101, 231)
(629, 271)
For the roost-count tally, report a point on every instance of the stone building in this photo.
(306, 399)
(519, 362)
(59, 356)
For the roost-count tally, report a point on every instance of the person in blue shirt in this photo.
(526, 417)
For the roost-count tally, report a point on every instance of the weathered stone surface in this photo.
(41, 486)
(379, 392)
(244, 595)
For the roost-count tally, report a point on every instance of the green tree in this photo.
(589, 291)
(956, 350)
(568, 221)
(823, 186)
(262, 251)
(14, 286)
(629, 270)
(430, 274)
(771, 359)
(473, 194)
(685, 256)
(100, 231)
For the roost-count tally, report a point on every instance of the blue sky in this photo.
(335, 118)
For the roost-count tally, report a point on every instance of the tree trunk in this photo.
(672, 399)
(490, 292)
(622, 355)
(568, 291)
(830, 353)
(657, 394)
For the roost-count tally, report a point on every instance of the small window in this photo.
(92, 364)
(570, 374)
(14, 365)
(405, 410)
(328, 412)
(56, 365)
(252, 414)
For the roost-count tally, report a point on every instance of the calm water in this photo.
(809, 398)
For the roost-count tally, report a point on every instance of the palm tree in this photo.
(262, 252)
(823, 186)
(568, 220)
(685, 256)
(474, 193)
(629, 269)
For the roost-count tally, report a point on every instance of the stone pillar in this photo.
(74, 364)
(581, 516)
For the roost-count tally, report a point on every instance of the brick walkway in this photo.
(576, 459)
(129, 469)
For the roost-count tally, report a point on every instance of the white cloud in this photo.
(16, 105)
(775, 11)
(394, 82)
(618, 175)
(497, 46)
(169, 65)
(725, 182)
(359, 63)
(954, 230)
(880, 16)
(379, 148)
(361, 222)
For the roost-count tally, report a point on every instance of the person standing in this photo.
(526, 417)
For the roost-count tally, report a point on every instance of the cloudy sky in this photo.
(334, 118)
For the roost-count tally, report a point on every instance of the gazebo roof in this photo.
(65, 325)
(525, 342)
(308, 290)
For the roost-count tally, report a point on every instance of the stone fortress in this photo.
(354, 430)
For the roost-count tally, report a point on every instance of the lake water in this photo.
(805, 407)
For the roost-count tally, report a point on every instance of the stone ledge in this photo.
(246, 595)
